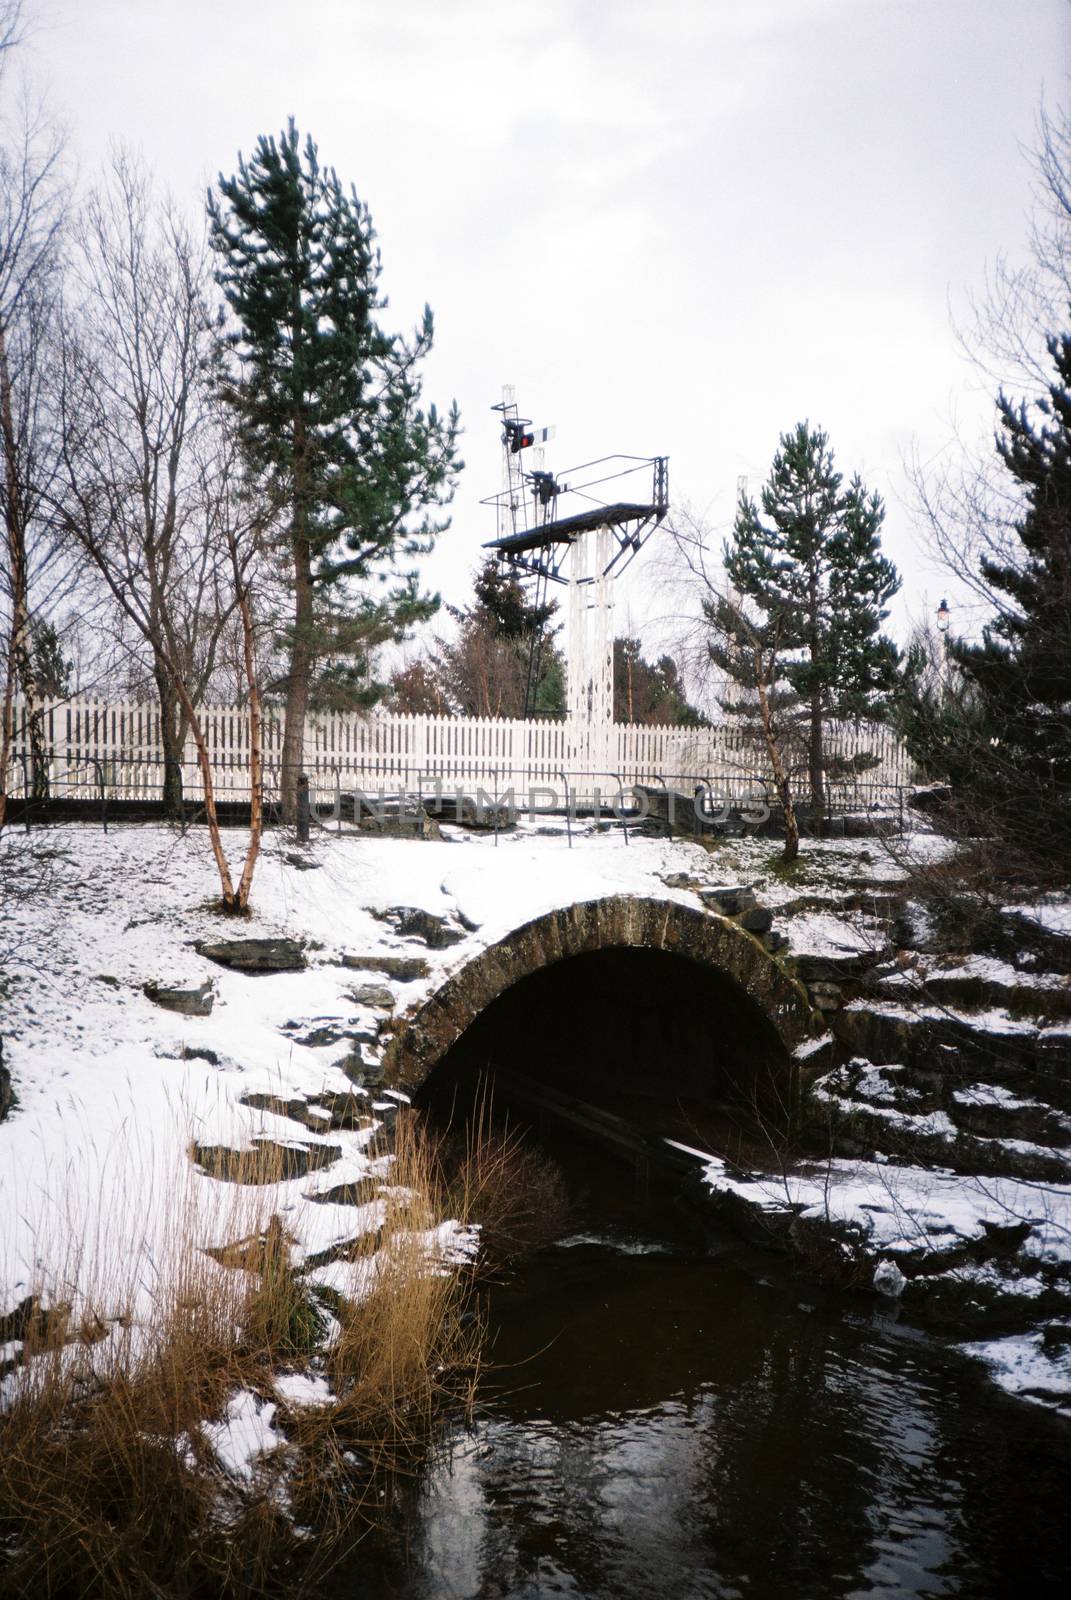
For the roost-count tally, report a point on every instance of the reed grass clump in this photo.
(113, 1481)
(488, 1169)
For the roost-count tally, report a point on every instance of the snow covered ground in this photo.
(1032, 1366)
(902, 1210)
(112, 1090)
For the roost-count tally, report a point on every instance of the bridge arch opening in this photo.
(628, 1043)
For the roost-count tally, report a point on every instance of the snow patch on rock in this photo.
(1029, 1367)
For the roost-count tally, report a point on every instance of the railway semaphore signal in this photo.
(584, 549)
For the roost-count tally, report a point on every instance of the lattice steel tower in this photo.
(585, 550)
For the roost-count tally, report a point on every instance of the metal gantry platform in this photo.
(586, 548)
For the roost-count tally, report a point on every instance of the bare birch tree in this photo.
(94, 514)
(237, 522)
(134, 397)
(33, 207)
(967, 505)
(10, 29)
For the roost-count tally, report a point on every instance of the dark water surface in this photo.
(671, 1422)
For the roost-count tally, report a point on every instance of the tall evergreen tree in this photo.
(1004, 735)
(746, 648)
(810, 565)
(517, 626)
(650, 691)
(329, 408)
(500, 598)
(482, 671)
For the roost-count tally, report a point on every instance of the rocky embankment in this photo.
(933, 1160)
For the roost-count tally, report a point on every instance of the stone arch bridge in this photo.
(632, 994)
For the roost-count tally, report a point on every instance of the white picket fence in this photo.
(92, 744)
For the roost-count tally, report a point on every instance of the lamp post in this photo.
(944, 617)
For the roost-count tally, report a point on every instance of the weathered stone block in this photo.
(187, 1002)
(358, 1069)
(376, 995)
(256, 955)
(729, 902)
(405, 968)
(826, 996)
(411, 922)
(317, 1038)
(268, 1162)
(412, 825)
(681, 880)
(832, 969)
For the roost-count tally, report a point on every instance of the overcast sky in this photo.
(676, 226)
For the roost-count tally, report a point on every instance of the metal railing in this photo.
(686, 801)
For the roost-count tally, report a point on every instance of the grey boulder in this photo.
(256, 955)
(187, 1002)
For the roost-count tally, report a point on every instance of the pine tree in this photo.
(650, 691)
(482, 671)
(519, 625)
(1009, 754)
(500, 597)
(809, 565)
(329, 409)
(746, 649)
(52, 667)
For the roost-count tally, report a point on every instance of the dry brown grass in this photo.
(108, 1486)
(413, 1334)
(492, 1174)
(97, 1495)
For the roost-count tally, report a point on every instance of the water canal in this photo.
(671, 1416)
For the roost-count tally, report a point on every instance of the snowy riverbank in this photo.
(113, 1090)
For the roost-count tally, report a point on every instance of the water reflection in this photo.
(686, 1430)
